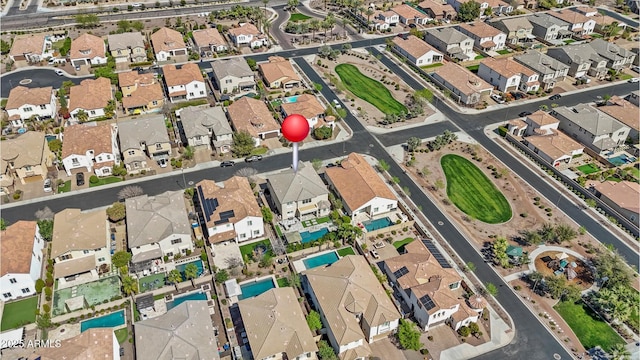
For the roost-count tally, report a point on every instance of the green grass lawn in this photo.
(596, 35)
(503, 52)
(587, 326)
(278, 230)
(432, 66)
(66, 187)
(346, 251)
(299, 17)
(473, 68)
(479, 57)
(400, 243)
(104, 181)
(614, 179)
(369, 90)
(259, 151)
(283, 282)
(588, 168)
(634, 171)
(19, 313)
(122, 335)
(625, 76)
(569, 41)
(248, 248)
(472, 192)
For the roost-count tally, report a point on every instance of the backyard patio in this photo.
(94, 293)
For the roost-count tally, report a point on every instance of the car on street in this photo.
(336, 103)
(634, 80)
(59, 72)
(121, 351)
(80, 179)
(330, 165)
(253, 158)
(47, 185)
(555, 97)
(524, 113)
(497, 98)
(636, 68)
(227, 163)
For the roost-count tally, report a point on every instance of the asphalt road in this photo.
(621, 18)
(42, 77)
(277, 28)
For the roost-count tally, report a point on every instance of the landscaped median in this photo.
(369, 90)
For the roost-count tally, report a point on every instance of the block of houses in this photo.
(353, 306)
(518, 29)
(185, 83)
(360, 187)
(141, 139)
(582, 60)
(253, 116)
(90, 97)
(579, 24)
(205, 125)
(465, 85)
(382, 20)
(94, 343)
(485, 37)
(299, 194)
(594, 129)
(208, 41)
(90, 147)
(617, 57)
(229, 212)
(233, 75)
(416, 51)
(184, 329)
(279, 73)
(308, 106)
(622, 196)
(80, 245)
(408, 15)
(497, 6)
(30, 104)
(168, 44)
(555, 148)
(549, 28)
(88, 50)
(549, 69)
(276, 326)
(625, 112)
(28, 49)
(127, 47)
(507, 74)
(26, 158)
(451, 43)
(141, 93)
(433, 292)
(21, 259)
(157, 226)
(438, 11)
(248, 34)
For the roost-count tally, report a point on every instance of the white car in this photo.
(336, 103)
(634, 80)
(374, 254)
(497, 98)
(59, 72)
(47, 185)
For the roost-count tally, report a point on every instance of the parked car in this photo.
(634, 80)
(253, 158)
(162, 163)
(137, 68)
(636, 68)
(330, 165)
(227, 163)
(555, 97)
(47, 185)
(121, 351)
(59, 72)
(517, 95)
(497, 98)
(80, 179)
(524, 113)
(374, 254)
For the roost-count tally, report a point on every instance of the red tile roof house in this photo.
(185, 83)
(409, 15)
(91, 96)
(87, 50)
(254, 117)
(248, 34)
(21, 259)
(29, 49)
(90, 147)
(168, 44)
(208, 40)
(485, 36)
(25, 103)
(623, 196)
(417, 51)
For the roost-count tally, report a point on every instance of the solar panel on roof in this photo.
(208, 205)
(400, 272)
(436, 253)
(221, 221)
(427, 302)
(227, 214)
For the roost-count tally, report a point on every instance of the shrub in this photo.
(39, 285)
(48, 291)
(93, 179)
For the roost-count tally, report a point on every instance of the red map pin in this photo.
(295, 128)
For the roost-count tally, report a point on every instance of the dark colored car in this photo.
(121, 351)
(330, 165)
(253, 158)
(227, 163)
(79, 179)
(555, 97)
(524, 113)
(137, 68)
(517, 95)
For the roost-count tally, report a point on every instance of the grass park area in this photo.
(503, 52)
(18, 313)
(299, 17)
(588, 169)
(283, 282)
(400, 243)
(369, 90)
(346, 251)
(104, 181)
(588, 327)
(472, 191)
(122, 335)
(247, 250)
(66, 187)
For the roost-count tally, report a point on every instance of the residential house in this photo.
(625, 112)
(80, 245)
(169, 45)
(21, 259)
(299, 194)
(549, 69)
(353, 306)
(157, 226)
(587, 11)
(609, 26)
(438, 11)
(549, 28)
(185, 83)
(28, 49)
(229, 212)
(634, 98)
(248, 34)
(90, 147)
(141, 93)
(26, 157)
(253, 116)
(408, 15)
(451, 43)
(431, 288)
(185, 330)
(88, 50)
(276, 327)
(233, 75)
(279, 73)
(623, 197)
(485, 37)
(30, 104)
(141, 138)
(204, 125)
(127, 48)
(494, 7)
(596, 130)
(208, 41)
(582, 60)
(89, 99)
(617, 57)
(541, 123)
(518, 29)
(360, 187)
(94, 343)
(467, 87)
(308, 106)
(555, 148)
(416, 51)
(579, 24)
(507, 74)
(383, 20)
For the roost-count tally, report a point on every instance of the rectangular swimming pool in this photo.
(180, 299)
(198, 263)
(313, 236)
(320, 260)
(107, 321)
(372, 225)
(290, 99)
(621, 160)
(253, 289)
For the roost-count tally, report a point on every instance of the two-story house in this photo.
(549, 69)
(204, 126)
(579, 24)
(416, 51)
(308, 106)
(625, 112)
(408, 15)
(208, 41)
(382, 20)
(186, 83)
(168, 44)
(141, 138)
(485, 37)
(89, 98)
(253, 116)
(582, 60)
(141, 93)
(232, 75)
(617, 57)
(451, 42)
(438, 11)
(248, 34)
(279, 73)
(549, 28)
(467, 87)
(507, 74)
(518, 29)
(88, 50)
(30, 104)
(127, 48)
(299, 194)
(26, 157)
(21, 259)
(494, 7)
(91, 147)
(157, 226)
(98, 343)
(28, 49)
(229, 211)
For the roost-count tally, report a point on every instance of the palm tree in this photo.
(620, 352)
(175, 277)
(369, 12)
(82, 116)
(547, 232)
(191, 271)
(314, 25)
(265, 2)
(535, 276)
(129, 285)
(293, 4)
(329, 22)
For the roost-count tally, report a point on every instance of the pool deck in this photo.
(160, 305)
(299, 266)
(234, 299)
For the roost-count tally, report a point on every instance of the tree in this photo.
(531, 237)
(82, 116)
(221, 276)
(64, 50)
(43, 321)
(491, 289)
(252, 64)
(499, 249)
(469, 11)
(471, 266)
(369, 12)
(535, 277)
(323, 133)
(46, 229)
(120, 259)
(294, 280)
(44, 214)
(174, 276)
(326, 351)
(555, 285)
(39, 286)
(314, 322)
(243, 143)
(464, 331)
(524, 259)
(348, 232)
(117, 211)
(293, 4)
(129, 192)
(408, 335)
(5, 47)
(267, 215)
(439, 184)
(612, 29)
(474, 328)
(413, 143)
(187, 153)
(266, 260)
(314, 25)
(612, 266)
(129, 285)
(564, 232)
(265, 2)
(383, 166)
(547, 232)
(191, 271)
(620, 352)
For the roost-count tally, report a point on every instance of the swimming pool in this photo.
(256, 288)
(290, 99)
(372, 225)
(621, 160)
(320, 260)
(180, 299)
(198, 263)
(107, 321)
(313, 236)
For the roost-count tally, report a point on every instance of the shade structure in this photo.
(477, 302)
(562, 255)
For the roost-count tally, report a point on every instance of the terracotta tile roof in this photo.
(495, 3)
(480, 29)
(586, 9)
(357, 182)
(236, 195)
(21, 95)
(555, 145)
(625, 112)
(507, 67)
(572, 17)
(306, 105)
(245, 29)
(604, 20)
(167, 39)
(93, 344)
(464, 80)
(16, 247)
(75, 230)
(413, 45)
(143, 95)
(408, 12)
(27, 149)
(74, 266)
(91, 94)
(28, 44)
(625, 194)
(278, 68)
(183, 76)
(87, 46)
(131, 78)
(253, 116)
(208, 37)
(437, 7)
(542, 118)
(78, 139)
(129, 40)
